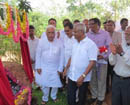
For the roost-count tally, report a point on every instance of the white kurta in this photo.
(50, 58)
(68, 43)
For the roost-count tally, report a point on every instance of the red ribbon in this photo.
(103, 49)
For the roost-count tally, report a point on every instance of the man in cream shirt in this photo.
(120, 58)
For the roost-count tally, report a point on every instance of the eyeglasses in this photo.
(75, 32)
(91, 23)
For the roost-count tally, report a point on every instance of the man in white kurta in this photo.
(49, 63)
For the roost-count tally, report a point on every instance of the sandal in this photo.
(43, 103)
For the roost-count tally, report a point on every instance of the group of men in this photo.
(83, 53)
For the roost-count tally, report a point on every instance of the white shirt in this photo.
(62, 35)
(32, 44)
(122, 63)
(82, 54)
(68, 43)
(121, 31)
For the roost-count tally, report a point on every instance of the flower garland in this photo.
(3, 25)
(22, 27)
(24, 90)
(9, 16)
(21, 94)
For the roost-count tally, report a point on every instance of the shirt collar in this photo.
(82, 41)
(96, 33)
(31, 39)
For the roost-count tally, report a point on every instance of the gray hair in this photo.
(50, 26)
(80, 27)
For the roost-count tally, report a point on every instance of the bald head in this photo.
(80, 27)
(50, 32)
(79, 31)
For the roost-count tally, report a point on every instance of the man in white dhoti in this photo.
(49, 64)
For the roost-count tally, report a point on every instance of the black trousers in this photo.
(120, 91)
(109, 75)
(71, 92)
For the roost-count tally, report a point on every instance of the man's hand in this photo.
(60, 73)
(64, 73)
(100, 57)
(32, 61)
(113, 49)
(80, 81)
(119, 49)
(39, 71)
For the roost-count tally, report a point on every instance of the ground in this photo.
(62, 98)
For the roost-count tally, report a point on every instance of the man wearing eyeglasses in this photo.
(120, 58)
(99, 71)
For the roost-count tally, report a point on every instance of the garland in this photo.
(22, 30)
(5, 16)
(23, 90)
(20, 95)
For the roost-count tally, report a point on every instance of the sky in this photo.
(47, 6)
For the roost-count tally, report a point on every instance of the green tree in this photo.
(119, 8)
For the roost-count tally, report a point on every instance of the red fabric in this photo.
(26, 59)
(6, 95)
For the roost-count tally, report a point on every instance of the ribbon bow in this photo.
(103, 49)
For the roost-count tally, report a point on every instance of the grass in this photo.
(61, 98)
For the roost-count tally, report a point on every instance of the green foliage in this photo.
(9, 49)
(119, 7)
(39, 21)
(91, 9)
(24, 5)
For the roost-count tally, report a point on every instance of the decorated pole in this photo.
(19, 30)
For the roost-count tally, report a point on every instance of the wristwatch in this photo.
(84, 75)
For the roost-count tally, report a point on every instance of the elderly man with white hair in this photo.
(120, 58)
(49, 64)
(83, 57)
